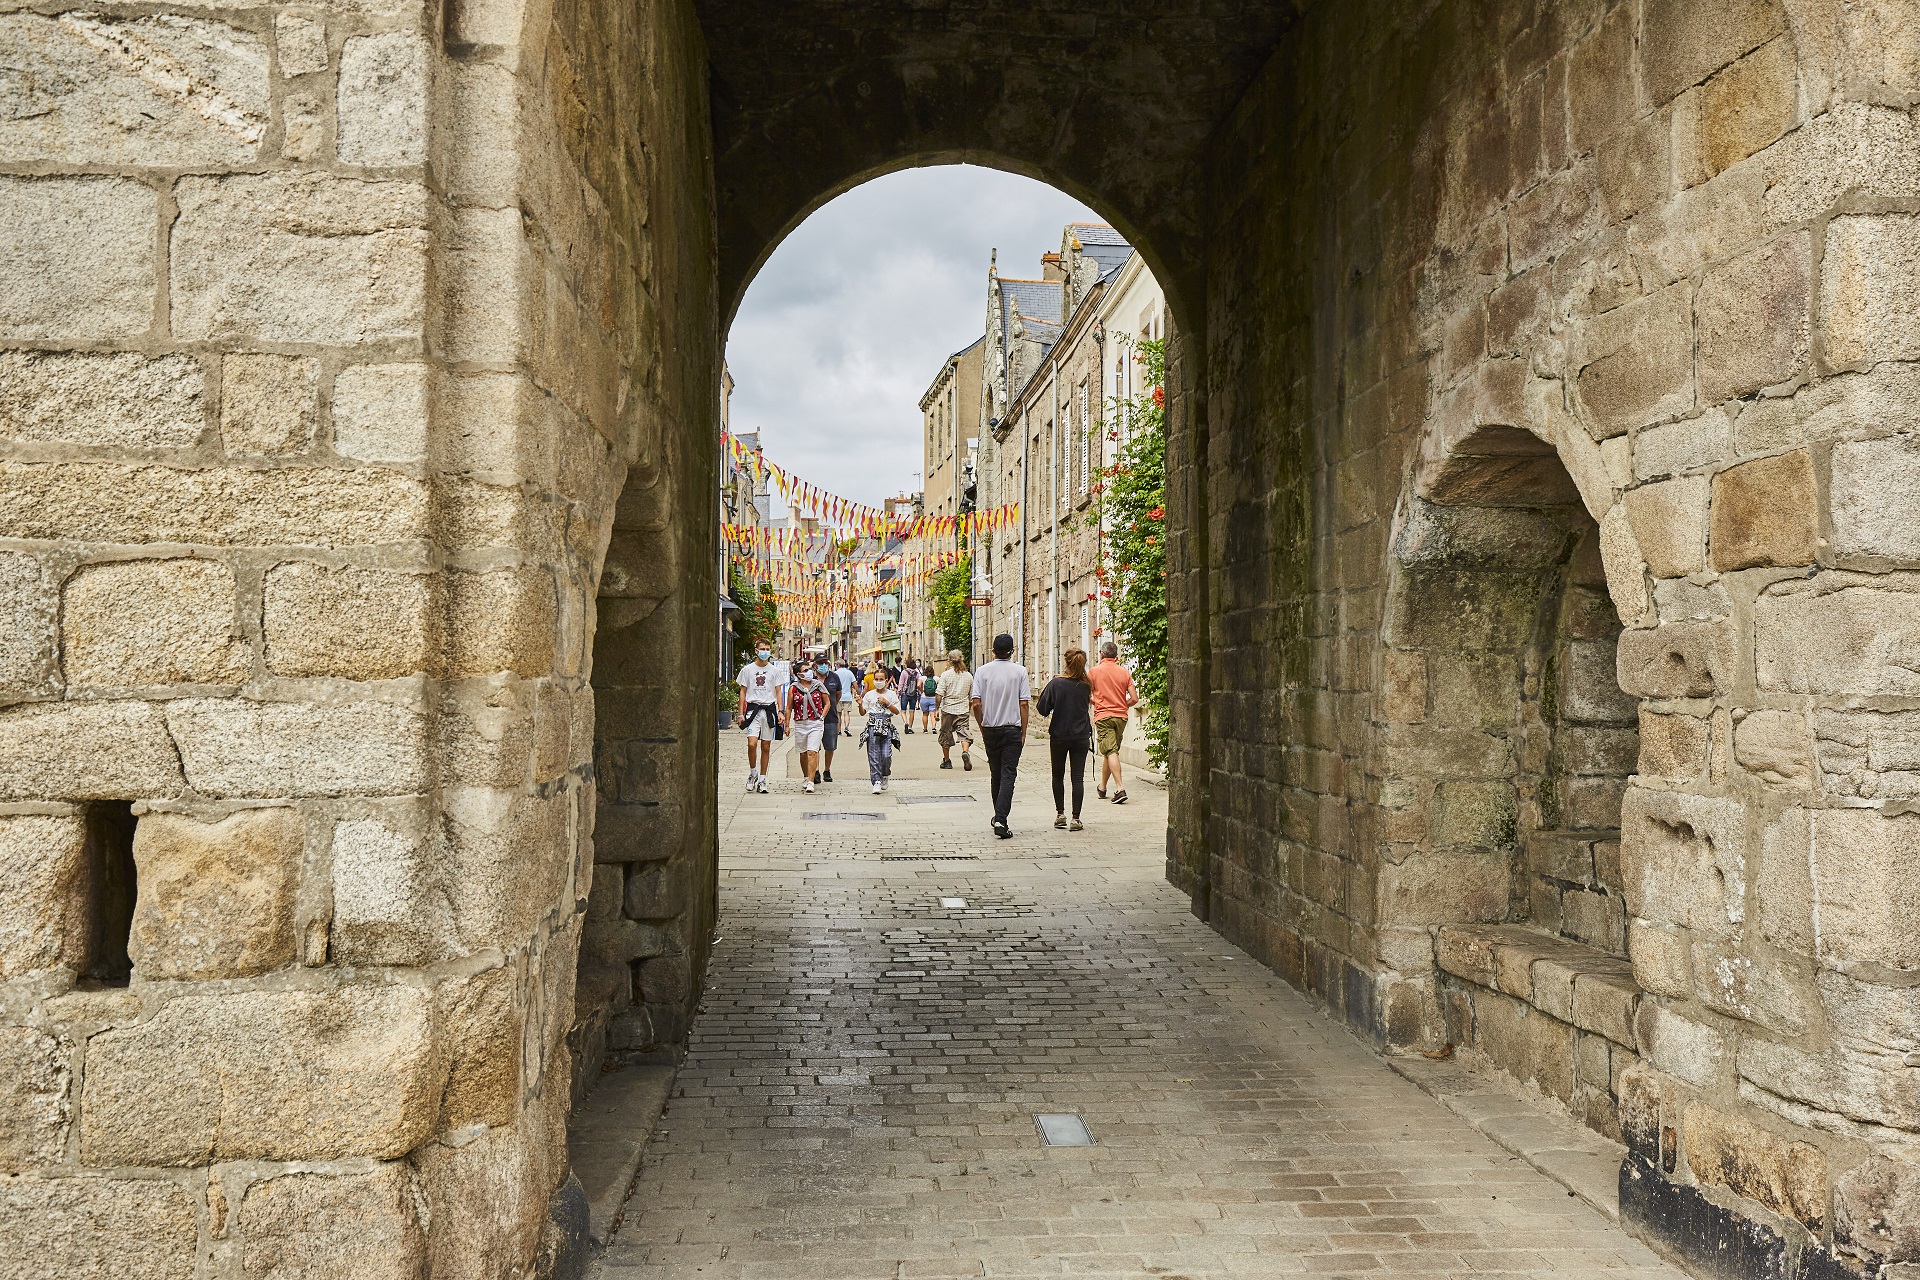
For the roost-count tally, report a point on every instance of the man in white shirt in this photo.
(760, 713)
(1002, 691)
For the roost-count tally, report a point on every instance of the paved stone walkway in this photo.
(859, 1095)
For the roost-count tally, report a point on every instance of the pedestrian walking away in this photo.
(909, 682)
(1113, 697)
(1065, 701)
(1002, 694)
(929, 693)
(761, 716)
(882, 705)
(954, 694)
(808, 704)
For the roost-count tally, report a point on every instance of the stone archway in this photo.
(333, 338)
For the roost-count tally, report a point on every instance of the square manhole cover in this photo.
(934, 799)
(845, 817)
(1063, 1130)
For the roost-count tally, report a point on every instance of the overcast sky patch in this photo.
(847, 323)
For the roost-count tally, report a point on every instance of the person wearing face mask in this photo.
(808, 704)
(760, 713)
(830, 727)
(849, 708)
(881, 706)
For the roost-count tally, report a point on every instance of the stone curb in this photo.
(1582, 1161)
(606, 1139)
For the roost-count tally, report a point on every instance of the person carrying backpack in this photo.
(929, 697)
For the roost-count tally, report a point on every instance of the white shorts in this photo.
(807, 734)
(763, 722)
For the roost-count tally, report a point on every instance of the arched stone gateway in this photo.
(357, 398)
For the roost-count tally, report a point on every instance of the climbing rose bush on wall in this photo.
(1132, 498)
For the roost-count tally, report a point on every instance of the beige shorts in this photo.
(953, 726)
(1110, 731)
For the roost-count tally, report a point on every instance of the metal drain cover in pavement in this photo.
(845, 817)
(929, 857)
(934, 799)
(1063, 1131)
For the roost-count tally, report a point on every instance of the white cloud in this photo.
(849, 320)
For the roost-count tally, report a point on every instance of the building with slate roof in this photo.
(1046, 383)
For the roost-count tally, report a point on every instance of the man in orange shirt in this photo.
(1113, 695)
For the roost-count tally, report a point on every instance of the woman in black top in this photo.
(1069, 732)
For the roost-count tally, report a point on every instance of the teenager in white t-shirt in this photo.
(761, 714)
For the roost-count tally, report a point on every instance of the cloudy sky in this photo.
(852, 316)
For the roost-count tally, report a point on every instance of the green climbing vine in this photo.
(1132, 498)
(950, 612)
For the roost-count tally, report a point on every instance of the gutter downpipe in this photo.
(1020, 624)
(1053, 509)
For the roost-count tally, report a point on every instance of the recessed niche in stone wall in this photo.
(112, 890)
(1526, 742)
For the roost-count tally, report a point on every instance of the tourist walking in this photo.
(954, 694)
(929, 696)
(808, 705)
(909, 680)
(1002, 692)
(1113, 697)
(830, 724)
(760, 713)
(882, 706)
(1066, 701)
(849, 712)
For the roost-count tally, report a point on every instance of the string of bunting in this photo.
(844, 514)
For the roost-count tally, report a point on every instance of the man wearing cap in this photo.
(1002, 691)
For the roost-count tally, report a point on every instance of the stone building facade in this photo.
(356, 489)
(949, 438)
(1059, 414)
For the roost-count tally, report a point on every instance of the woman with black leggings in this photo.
(1069, 733)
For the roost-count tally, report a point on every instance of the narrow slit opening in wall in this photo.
(113, 885)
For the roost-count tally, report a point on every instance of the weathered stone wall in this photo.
(1673, 241)
(327, 334)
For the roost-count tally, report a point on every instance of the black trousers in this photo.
(1062, 748)
(1003, 765)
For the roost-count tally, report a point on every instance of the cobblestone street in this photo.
(893, 999)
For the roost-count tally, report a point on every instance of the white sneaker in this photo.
(753, 780)
(883, 784)
(763, 786)
(876, 788)
(807, 787)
